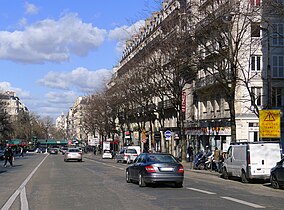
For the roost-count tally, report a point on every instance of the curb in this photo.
(186, 165)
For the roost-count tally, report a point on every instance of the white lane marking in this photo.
(244, 202)
(11, 200)
(24, 200)
(106, 164)
(202, 191)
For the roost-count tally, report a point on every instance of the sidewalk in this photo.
(187, 165)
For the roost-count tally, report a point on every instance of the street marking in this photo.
(24, 200)
(106, 164)
(245, 203)
(202, 191)
(11, 200)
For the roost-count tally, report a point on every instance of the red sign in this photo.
(183, 104)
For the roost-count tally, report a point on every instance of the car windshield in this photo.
(106, 151)
(131, 151)
(161, 158)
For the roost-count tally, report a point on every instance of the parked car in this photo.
(251, 160)
(107, 154)
(73, 154)
(126, 155)
(277, 175)
(155, 168)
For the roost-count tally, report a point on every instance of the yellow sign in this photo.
(269, 123)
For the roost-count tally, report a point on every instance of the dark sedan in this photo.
(155, 168)
(277, 175)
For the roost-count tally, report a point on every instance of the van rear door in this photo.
(263, 157)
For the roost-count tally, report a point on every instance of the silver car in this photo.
(126, 155)
(73, 154)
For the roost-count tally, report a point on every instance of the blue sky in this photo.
(52, 51)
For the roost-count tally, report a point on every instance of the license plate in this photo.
(166, 169)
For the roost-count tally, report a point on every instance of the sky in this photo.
(53, 51)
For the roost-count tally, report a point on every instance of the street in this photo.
(40, 181)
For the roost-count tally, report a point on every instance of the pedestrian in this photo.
(22, 152)
(8, 156)
(95, 150)
(217, 158)
(190, 153)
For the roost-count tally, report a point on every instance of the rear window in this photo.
(161, 158)
(73, 150)
(131, 151)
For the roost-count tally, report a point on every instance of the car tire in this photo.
(178, 185)
(274, 182)
(141, 181)
(244, 177)
(225, 174)
(128, 180)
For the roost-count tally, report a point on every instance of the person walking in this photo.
(190, 153)
(8, 156)
(217, 158)
(22, 152)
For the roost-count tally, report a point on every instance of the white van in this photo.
(251, 160)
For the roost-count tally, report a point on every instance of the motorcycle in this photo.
(200, 160)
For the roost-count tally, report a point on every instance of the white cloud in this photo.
(30, 8)
(6, 86)
(51, 40)
(81, 78)
(61, 98)
(123, 33)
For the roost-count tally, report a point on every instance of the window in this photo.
(278, 34)
(255, 29)
(255, 3)
(257, 95)
(277, 96)
(255, 62)
(278, 66)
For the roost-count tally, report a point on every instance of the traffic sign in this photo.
(269, 123)
(168, 134)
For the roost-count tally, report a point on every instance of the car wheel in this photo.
(178, 184)
(274, 182)
(141, 181)
(244, 177)
(225, 173)
(128, 180)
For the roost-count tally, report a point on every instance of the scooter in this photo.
(200, 161)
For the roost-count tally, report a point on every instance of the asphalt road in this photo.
(46, 182)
